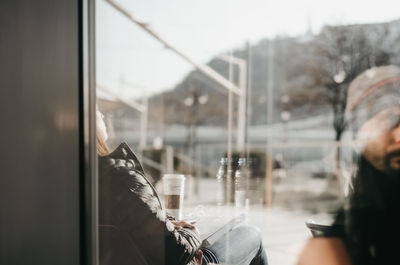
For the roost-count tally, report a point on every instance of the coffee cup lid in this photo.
(174, 176)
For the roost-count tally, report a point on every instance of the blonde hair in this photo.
(101, 146)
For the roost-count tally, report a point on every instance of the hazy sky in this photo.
(204, 28)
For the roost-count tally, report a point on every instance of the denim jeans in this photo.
(241, 246)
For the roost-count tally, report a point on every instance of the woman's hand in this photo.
(198, 257)
(180, 224)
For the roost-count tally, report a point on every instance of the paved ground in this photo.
(284, 232)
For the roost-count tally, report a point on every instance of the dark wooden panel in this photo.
(39, 114)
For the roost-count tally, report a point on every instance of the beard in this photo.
(392, 166)
(393, 174)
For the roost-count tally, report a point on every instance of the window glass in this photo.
(250, 102)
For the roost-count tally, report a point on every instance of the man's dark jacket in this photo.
(133, 227)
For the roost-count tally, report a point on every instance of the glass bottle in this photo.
(242, 177)
(222, 181)
(230, 181)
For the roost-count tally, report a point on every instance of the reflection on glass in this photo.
(256, 82)
(358, 233)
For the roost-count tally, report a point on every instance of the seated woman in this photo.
(135, 230)
(370, 219)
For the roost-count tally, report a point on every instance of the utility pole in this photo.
(248, 99)
(270, 116)
(270, 82)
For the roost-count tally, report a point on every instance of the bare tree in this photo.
(343, 52)
(329, 62)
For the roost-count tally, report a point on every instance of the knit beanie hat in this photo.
(372, 91)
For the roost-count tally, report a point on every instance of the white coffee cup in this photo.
(174, 186)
